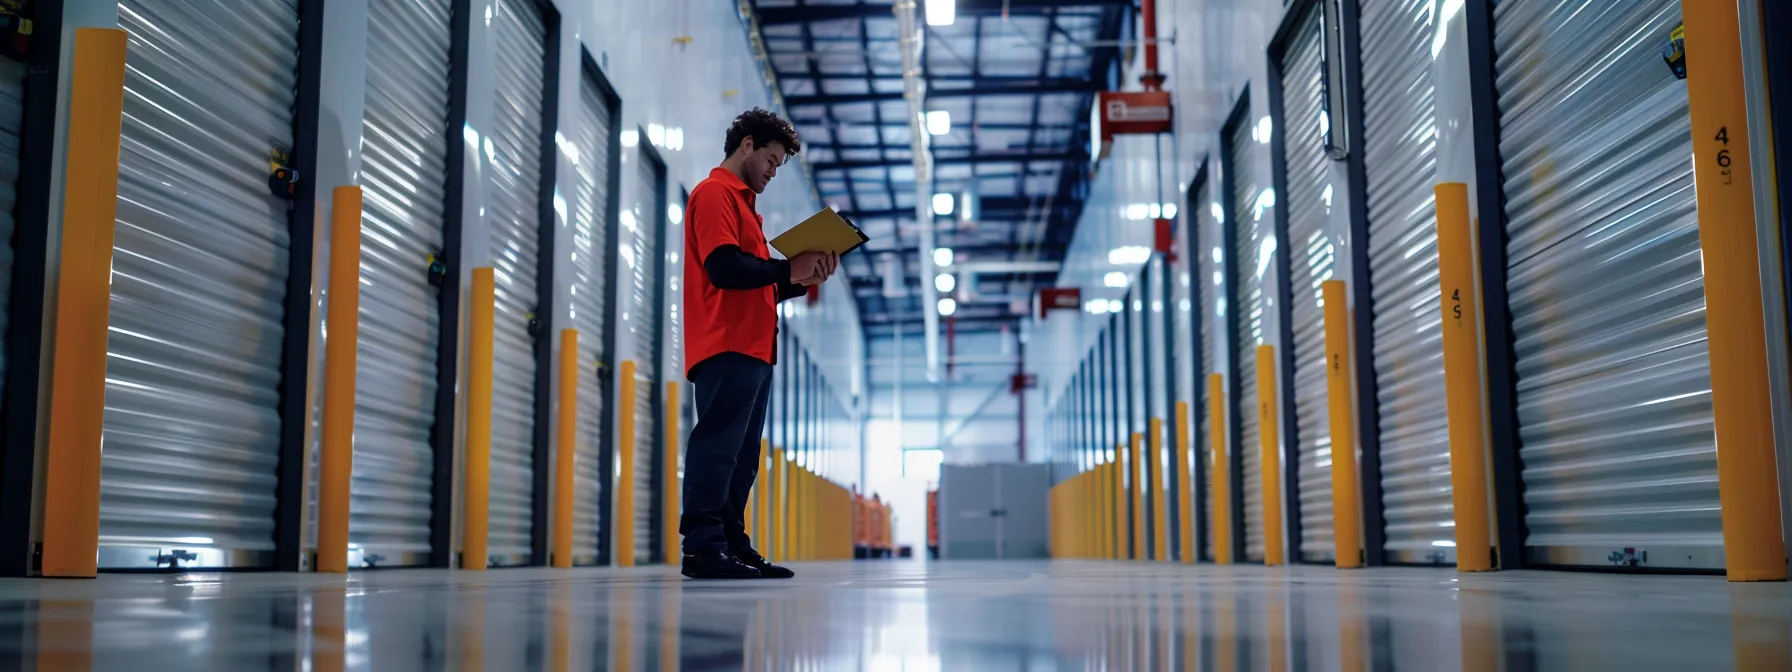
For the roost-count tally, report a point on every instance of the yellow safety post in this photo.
(336, 458)
(670, 497)
(1185, 491)
(1723, 174)
(1462, 377)
(780, 507)
(477, 495)
(1136, 520)
(1116, 500)
(1219, 477)
(83, 306)
(1347, 517)
(625, 472)
(762, 498)
(329, 627)
(1160, 509)
(566, 441)
(1269, 435)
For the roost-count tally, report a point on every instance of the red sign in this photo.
(1022, 381)
(1165, 240)
(1059, 298)
(1132, 113)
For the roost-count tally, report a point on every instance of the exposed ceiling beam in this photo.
(1028, 89)
(974, 159)
(772, 16)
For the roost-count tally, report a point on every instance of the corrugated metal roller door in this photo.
(12, 122)
(644, 318)
(192, 432)
(514, 217)
(1203, 283)
(1309, 198)
(1400, 153)
(404, 158)
(1248, 227)
(1607, 300)
(594, 133)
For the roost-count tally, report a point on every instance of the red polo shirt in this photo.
(721, 212)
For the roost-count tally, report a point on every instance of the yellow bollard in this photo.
(1160, 510)
(1347, 517)
(625, 472)
(566, 424)
(478, 480)
(1462, 377)
(1136, 517)
(1220, 476)
(670, 498)
(336, 456)
(1185, 491)
(1723, 172)
(1269, 435)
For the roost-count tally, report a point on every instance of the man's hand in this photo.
(813, 268)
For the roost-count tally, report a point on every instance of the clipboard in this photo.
(825, 231)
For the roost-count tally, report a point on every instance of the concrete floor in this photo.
(899, 616)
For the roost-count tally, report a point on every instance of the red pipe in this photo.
(1152, 79)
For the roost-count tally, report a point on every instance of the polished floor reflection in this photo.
(900, 616)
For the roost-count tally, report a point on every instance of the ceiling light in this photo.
(1219, 213)
(1169, 211)
(1115, 279)
(942, 204)
(942, 257)
(1096, 306)
(1115, 306)
(939, 122)
(631, 138)
(948, 307)
(944, 282)
(942, 12)
(1129, 254)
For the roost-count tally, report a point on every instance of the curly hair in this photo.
(764, 128)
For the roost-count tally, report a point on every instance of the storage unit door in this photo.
(1606, 290)
(192, 429)
(404, 162)
(1247, 289)
(1206, 272)
(643, 320)
(594, 134)
(1400, 153)
(1308, 198)
(514, 217)
(12, 122)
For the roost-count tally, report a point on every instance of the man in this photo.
(732, 291)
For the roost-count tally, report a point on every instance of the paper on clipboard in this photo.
(825, 231)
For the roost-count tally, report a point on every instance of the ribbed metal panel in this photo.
(1400, 153)
(594, 134)
(192, 433)
(514, 217)
(1250, 230)
(1607, 299)
(643, 320)
(1205, 272)
(12, 121)
(1309, 208)
(404, 159)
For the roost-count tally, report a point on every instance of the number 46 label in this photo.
(1723, 155)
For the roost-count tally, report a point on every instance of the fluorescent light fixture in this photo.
(656, 134)
(942, 204)
(1115, 306)
(942, 257)
(631, 137)
(1096, 306)
(1265, 128)
(675, 212)
(948, 307)
(944, 282)
(1219, 213)
(1115, 279)
(942, 12)
(1129, 254)
(1169, 211)
(939, 122)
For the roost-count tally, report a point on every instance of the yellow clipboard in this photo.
(825, 231)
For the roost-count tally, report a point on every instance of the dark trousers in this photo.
(722, 454)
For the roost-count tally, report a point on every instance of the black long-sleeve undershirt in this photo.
(730, 268)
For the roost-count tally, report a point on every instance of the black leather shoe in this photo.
(767, 570)
(717, 565)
